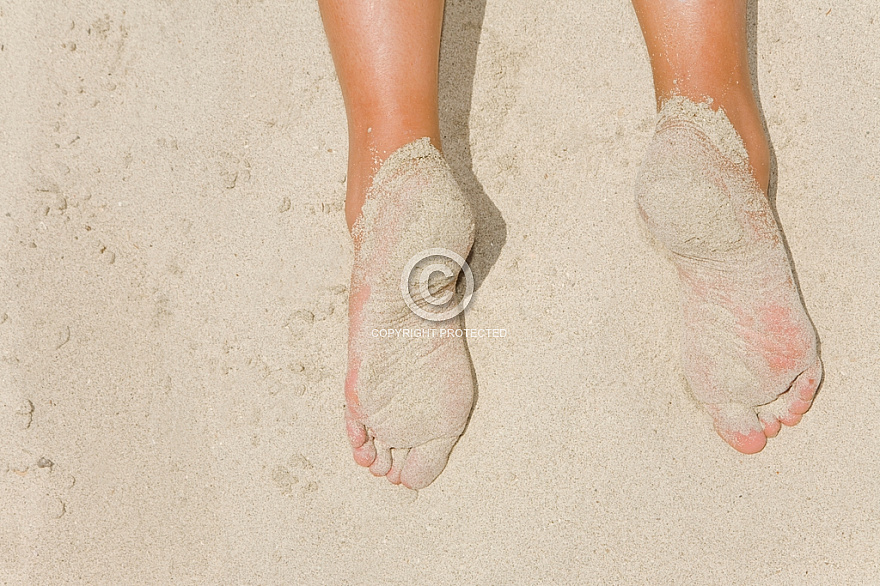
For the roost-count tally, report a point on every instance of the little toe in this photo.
(807, 383)
(365, 454)
(398, 456)
(382, 464)
(738, 425)
(803, 389)
(426, 462)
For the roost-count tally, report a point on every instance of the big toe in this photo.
(738, 425)
(425, 462)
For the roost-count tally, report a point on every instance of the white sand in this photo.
(172, 280)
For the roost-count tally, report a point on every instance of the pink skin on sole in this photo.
(362, 447)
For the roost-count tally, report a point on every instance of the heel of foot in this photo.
(695, 191)
(416, 174)
(683, 197)
(414, 204)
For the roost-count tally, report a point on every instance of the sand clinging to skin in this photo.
(413, 392)
(746, 335)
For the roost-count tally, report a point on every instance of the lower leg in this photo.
(386, 55)
(699, 50)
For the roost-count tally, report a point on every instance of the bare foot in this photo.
(407, 398)
(749, 349)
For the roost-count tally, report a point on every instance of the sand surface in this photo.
(173, 285)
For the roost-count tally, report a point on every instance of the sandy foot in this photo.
(407, 398)
(749, 349)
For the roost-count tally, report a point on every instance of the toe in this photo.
(791, 419)
(750, 442)
(738, 425)
(803, 389)
(771, 425)
(382, 464)
(365, 454)
(426, 462)
(799, 407)
(398, 456)
(807, 383)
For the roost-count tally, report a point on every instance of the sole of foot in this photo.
(749, 349)
(408, 397)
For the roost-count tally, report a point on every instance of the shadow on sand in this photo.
(462, 26)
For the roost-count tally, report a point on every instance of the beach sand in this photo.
(173, 291)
